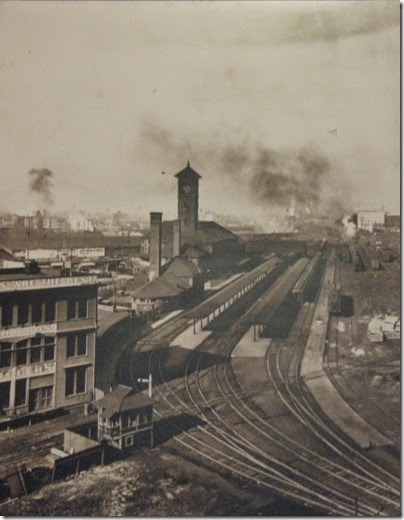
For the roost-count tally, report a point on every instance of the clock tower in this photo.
(188, 185)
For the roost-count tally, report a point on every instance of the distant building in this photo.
(181, 251)
(47, 341)
(6, 254)
(80, 222)
(393, 222)
(371, 220)
(214, 242)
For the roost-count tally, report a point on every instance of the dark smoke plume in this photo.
(271, 178)
(41, 183)
(281, 176)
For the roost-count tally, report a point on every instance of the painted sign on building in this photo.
(89, 252)
(46, 283)
(16, 332)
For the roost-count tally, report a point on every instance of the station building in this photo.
(48, 328)
(206, 243)
(183, 251)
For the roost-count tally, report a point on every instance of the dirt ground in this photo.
(369, 374)
(149, 483)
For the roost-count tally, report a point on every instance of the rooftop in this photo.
(188, 172)
(212, 303)
(123, 398)
(180, 267)
(157, 288)
(173, 281)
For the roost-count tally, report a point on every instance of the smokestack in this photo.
(155, 245)
(177, 238)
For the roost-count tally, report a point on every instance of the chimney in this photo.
(155, 245)
(177, 237)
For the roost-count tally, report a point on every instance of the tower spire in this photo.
(188, 163)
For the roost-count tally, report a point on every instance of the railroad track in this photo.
(245, 459)
(326, 465)
(369, 479)
(226, 448)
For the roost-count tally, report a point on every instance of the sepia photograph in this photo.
(200, 258)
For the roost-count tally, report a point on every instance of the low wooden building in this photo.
(125, 418)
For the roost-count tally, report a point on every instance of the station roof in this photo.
(157, 288)
(290, 277)
(180, 267)
(172, 282)
(207, 307)
(302, 281)
(208, 231)
(189, 251)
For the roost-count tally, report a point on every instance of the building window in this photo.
(49, 350)
(143, 418)
(71, 309)
(76, 345)
(40, 349)
(50, 311)
(7, 315)
(23, 313)
(22, 347)
(75, 381)
(77, 309)
(5, 354)
(36, 310)
(20, 392)
(82, 308)
(128, 441)
(35, 356)
(41, 398)
(71, 346)
(4, 396)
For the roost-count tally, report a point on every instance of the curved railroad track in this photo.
(218, 442)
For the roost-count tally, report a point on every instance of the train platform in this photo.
(339, 411)
(250, 347)
(189, 339)
(321, 388)
(166, 318)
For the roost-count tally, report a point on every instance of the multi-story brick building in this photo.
(47, 341)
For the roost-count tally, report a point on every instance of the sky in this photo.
(109, 95)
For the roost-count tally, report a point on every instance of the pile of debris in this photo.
(382, 328)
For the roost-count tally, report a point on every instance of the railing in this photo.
(116, 431)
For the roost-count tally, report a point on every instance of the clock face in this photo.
(186, 188)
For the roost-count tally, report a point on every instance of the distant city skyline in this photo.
(108, 96)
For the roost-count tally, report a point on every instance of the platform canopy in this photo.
(211, 304)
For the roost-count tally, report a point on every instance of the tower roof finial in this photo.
(188, 163)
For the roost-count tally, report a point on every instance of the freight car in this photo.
(334, 301)
(307, 285)
(357, 260)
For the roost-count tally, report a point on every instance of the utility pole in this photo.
(28, 243)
